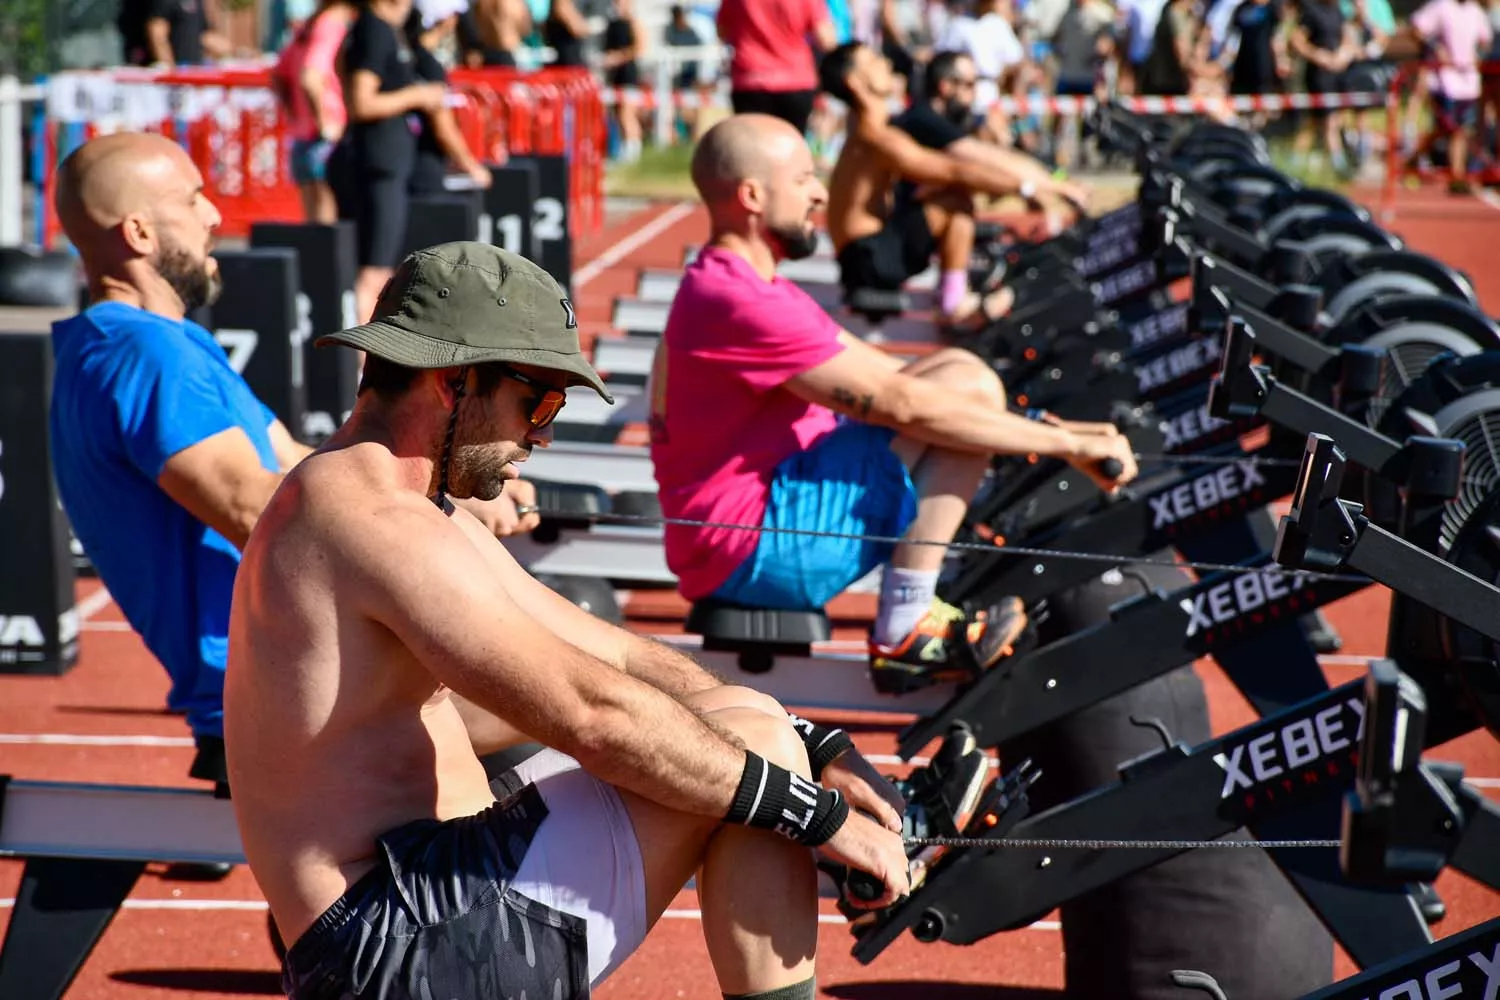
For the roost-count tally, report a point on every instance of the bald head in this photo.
(113, 176)
(133, 205)
(740, 148)
(757, 177)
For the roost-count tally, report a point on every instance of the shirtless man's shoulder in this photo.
(344, 596)
(861, 181)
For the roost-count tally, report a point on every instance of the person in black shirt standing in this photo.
(564, 32)
(1260, 59)
(1329, 44)
(169, 33)
(622, 72)
(372, 167)
(439, 140)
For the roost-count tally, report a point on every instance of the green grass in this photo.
(659, 173)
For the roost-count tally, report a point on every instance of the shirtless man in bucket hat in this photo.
(381, 638)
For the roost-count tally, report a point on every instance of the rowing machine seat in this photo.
(568, 505)
(637, 504)
(757, 634)
(877, 304)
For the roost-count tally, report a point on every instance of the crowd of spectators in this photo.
(694, 62)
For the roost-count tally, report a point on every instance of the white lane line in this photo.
(79, 740)
(93, 604)
(259, 906)
(835, 918)
(629, 244)
(190, 905)
(1489, 197)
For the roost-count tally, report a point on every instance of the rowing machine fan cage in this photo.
(1405, 400)
(1473, 419)
(1476, 549)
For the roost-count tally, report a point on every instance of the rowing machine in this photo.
(1277, 776)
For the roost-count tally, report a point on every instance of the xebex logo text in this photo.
(1431, 986)
(1186, 428)
(1208, 490)
(1126, 282)
(1168, 323)
(1245, 593)
(1177, 364)
(1110, 255)
(1282, 759)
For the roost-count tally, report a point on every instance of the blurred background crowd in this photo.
(671, 69)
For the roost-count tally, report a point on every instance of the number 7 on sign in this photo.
(239, 345)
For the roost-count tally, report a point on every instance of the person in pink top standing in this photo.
(307, 83)
(773, 71)
(765, 413)
(1458, 31)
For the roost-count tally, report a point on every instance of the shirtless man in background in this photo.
(885, 232)
(496, 27)
(380, 637)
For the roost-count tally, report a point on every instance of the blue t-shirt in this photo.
(132, 389)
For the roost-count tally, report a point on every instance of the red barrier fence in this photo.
(1417, 82)
(229, 122)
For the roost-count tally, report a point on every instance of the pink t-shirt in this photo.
(770, 42)
(1463, 29)
(732, 339)
(319, 49)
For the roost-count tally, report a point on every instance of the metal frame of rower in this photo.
(1278, 777)
(1166, 513)
(1405, 820)
(1279, 317)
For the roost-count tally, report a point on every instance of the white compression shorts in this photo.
(585, 860)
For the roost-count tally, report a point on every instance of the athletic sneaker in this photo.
(947, 646)
(946, 792)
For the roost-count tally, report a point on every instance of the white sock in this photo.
(905, 597)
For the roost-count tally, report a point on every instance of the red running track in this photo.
(180, 938)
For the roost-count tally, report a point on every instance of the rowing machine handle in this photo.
(863, 886)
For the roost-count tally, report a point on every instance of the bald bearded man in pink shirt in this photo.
(766, 414)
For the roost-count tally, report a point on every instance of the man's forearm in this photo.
(666, 669)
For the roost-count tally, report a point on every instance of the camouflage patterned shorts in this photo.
(438, 918)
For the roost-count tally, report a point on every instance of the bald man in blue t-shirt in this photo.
(163, 455)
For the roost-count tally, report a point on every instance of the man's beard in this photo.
(959, 114)
(191, 279)
(797, 243)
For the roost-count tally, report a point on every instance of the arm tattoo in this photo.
(853, 403)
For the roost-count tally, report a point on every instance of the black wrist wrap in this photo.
(773, 798)
(824, 745)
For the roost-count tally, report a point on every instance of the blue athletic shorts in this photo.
(849, 483)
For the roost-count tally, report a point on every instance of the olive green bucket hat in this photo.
(468, 303)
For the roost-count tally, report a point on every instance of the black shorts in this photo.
(1453, 115)
(437, 918)
(1322, 81)
(377, 202)
(889, 258)
(793, 106)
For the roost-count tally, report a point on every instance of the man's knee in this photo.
(732, 696)
(764, 734)
(963, 370)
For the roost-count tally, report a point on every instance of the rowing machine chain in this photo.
(1097, 845)
(1014, 550)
